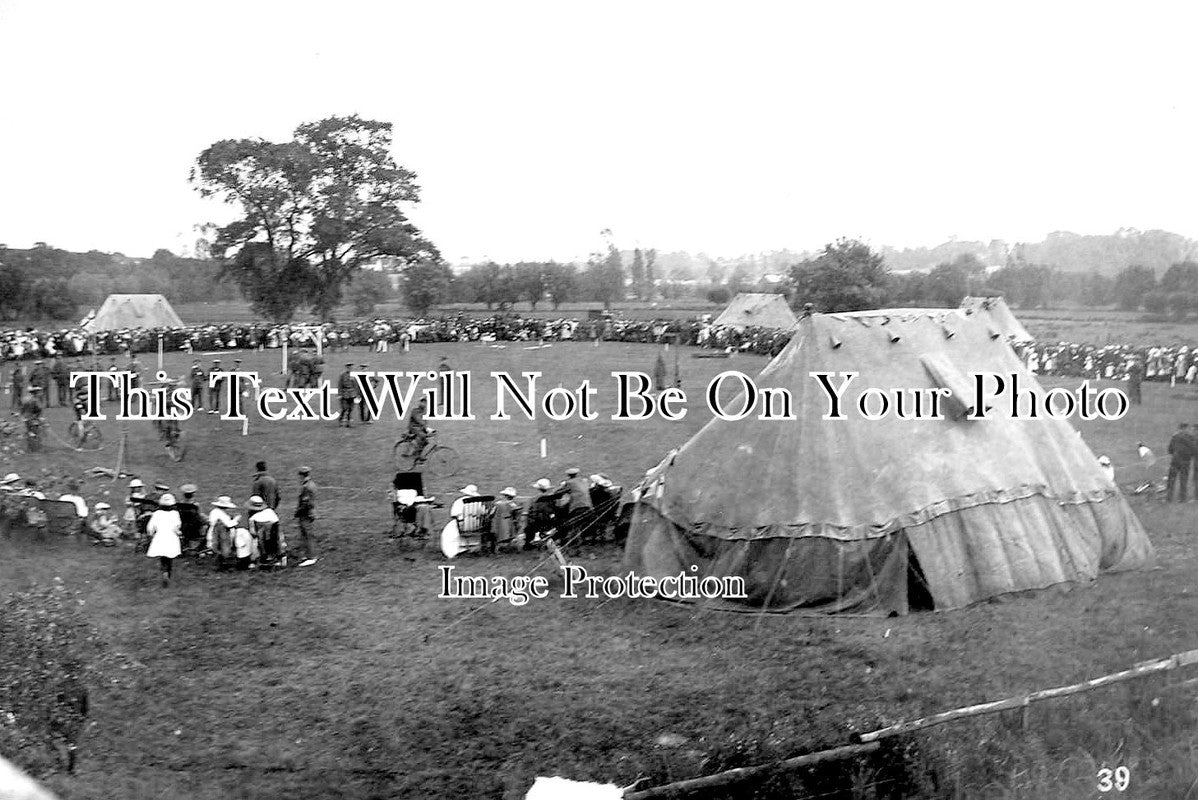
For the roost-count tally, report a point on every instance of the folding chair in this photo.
(475, 521)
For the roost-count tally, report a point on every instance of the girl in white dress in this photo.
(165, 529)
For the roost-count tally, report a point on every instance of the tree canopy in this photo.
(847, 276)
(314, 210)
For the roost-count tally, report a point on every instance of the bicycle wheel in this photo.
(177, 448)
(401, 454)
(441, 462)
(90, 439)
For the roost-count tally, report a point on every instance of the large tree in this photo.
(847, 276)
(313, 211)
(605, 276)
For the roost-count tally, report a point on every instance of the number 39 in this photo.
(1118, 779)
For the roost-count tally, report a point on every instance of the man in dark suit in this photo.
(1181, 451)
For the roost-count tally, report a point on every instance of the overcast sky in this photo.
(726, 128)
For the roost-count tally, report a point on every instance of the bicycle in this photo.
(437, 460)
(85, 435)
(33, 434)
(171, 437)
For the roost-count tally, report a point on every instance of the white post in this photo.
(160, 352)
(286, 339)
(544, 452)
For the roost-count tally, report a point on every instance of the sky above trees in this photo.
(724, 128)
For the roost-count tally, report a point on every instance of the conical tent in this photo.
(122, 311)
(752, 309)
(995, 312)
(882, 515)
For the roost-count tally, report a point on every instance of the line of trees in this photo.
(849, 276)
(46, 282)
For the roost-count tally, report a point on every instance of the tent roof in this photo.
(755, 309)
(122, 311)
(811, 479)
(996, 311)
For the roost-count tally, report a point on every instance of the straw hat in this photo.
(137, 483)
(470, 490)
(256, 503)
(224, 501)
(509, 492)
(543, 484)
(11, 477)
(102, 506)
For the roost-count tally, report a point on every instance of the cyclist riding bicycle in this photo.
(418, 432)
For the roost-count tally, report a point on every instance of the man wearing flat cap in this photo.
(305, 516)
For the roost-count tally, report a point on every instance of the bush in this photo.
(44, 648)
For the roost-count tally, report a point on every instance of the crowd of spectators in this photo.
(1065, 359)
(381, 334)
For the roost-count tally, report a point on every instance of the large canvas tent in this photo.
(884, 515)
(995, 312)
(753, 309)
(121, 311)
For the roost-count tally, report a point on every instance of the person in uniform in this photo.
(1181, 452)
(18, 386)
(39, 378)
(305, 516)
(198, 378)
(347, 391)
(61, 374)
(31, 411)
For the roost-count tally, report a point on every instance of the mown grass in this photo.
(351, 679)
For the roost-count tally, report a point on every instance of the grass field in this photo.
(351, 679)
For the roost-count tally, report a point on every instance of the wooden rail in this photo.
(868, 742)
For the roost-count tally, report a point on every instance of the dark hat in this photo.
(349, 366)
(260, 466)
